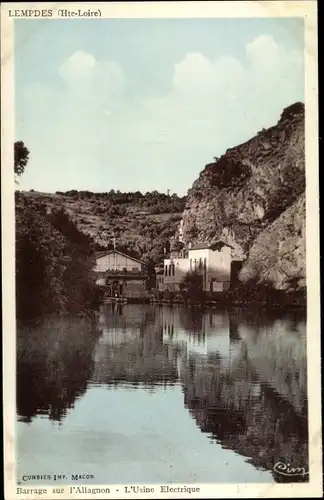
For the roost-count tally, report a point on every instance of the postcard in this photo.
(160, 250)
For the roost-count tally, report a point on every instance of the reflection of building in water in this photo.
(131, 348)
(202, 333)
(117, 327)
(175, 324)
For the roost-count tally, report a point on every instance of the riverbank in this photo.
(220, 303)
(278, 300)
(226, 304)
(257, 296)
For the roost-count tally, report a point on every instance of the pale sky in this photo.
(145, 104)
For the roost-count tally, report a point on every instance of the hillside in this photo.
(54, 263)
(253, 198)
(141, 224)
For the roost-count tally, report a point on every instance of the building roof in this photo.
(210, 245)
(107, 252)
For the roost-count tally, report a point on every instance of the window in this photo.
(205, 263)
(166, 271)
(200, 263)
(173, 269)
(169, 269)
(190, 264)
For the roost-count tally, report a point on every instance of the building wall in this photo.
(125, 287)
(214, 265)
(174, 272)
(220, 264)
(219, 271)
(134, 288)
(116, 262)
(198, 259)
(199, 262)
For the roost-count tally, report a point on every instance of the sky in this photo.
(145, 104)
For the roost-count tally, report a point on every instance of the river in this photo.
(151, 394)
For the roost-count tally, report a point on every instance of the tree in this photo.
(21, 157)
(192, 286)
(192, 280)
(177, 246)
(149, 270)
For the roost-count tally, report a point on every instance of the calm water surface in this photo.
(159, 394)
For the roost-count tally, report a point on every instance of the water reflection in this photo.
(242, 375)
(54, 364)
(131, 349)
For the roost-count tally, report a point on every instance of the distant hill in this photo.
(141, 223)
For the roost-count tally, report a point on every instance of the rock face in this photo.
(253, 198)
(278, 253)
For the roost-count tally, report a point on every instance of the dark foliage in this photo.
(192, 287)
(53, 264)
(228, 172)
(21, 157)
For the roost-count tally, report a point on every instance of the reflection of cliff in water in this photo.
(277, 350)
(54, 363)
(244, 398)
(131, 350)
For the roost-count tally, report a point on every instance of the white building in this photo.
(213, 261)
(175, 270)
(121, 274)
(113, 260)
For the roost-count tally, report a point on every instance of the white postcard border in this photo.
(198, 9)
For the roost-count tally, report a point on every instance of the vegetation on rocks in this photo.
(54, 263)
(251, 197)
(142, 224)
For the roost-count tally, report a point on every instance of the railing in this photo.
(119, 271)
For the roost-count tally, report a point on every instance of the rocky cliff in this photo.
(253, 198)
